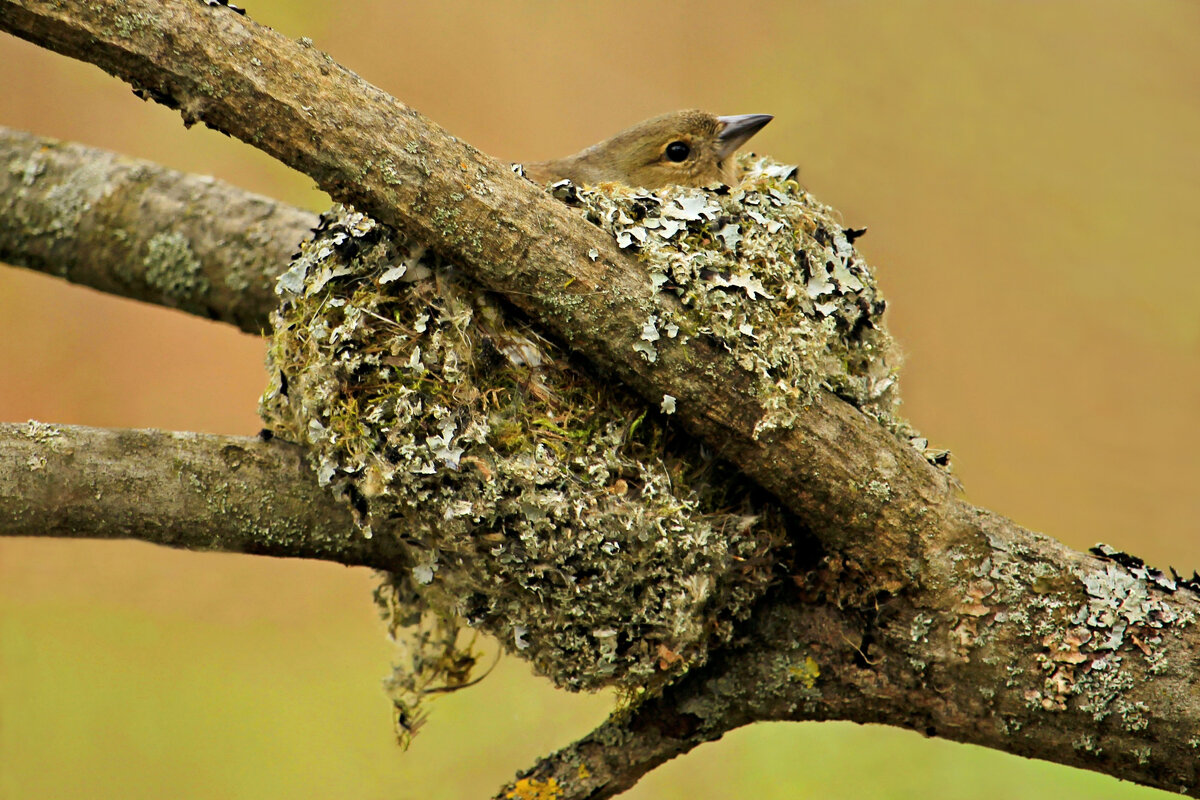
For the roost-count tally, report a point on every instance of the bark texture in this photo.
(1021, 644)
(1029, 647)
(927, 613)
(138, 230)
(188, 490)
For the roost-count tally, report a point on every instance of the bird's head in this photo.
(685, 148)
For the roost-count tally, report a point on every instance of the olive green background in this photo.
(1029, 172)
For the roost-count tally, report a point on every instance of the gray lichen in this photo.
(1090, 622)
(533, 501)
(767, 272)
(43, 433)
(171, 266)
(66, 201)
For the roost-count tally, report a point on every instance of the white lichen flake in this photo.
(770, 274)
(526, 497)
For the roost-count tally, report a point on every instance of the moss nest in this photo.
(537, 501)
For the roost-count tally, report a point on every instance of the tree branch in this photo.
(1036, 650)
(289, 100)
(1031, 648)
(139, 230)
(992, 635)
(188, 490)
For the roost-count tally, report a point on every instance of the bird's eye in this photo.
(678, 151)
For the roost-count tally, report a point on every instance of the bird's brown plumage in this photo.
(686, 148)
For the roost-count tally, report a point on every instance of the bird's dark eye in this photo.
(678, 151)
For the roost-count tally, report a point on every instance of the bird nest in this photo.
(531, 498)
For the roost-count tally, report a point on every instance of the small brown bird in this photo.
(685, 148)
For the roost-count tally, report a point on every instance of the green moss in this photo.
(533, 500)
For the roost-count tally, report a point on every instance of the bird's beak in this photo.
(737, 129)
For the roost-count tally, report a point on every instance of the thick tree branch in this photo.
(139, 230)
(998, 636)
(188, 490)
(1028, 646)
(289, 100)
(1035, 650)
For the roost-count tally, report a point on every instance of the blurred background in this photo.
(1030, 176)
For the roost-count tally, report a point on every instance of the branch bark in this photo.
(187, 490)
(1036, 650)
(1032, 648)
(135, 229)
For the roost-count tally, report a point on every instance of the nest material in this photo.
(545, 506)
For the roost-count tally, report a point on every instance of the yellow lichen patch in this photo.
(807, 673)
(533, 789)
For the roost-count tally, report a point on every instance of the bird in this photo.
(683, 148)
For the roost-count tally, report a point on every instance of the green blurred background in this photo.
(1031, 178)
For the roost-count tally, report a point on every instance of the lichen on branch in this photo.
(550, 508)
(767, 272)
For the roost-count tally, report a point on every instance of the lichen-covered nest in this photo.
(540, 502)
